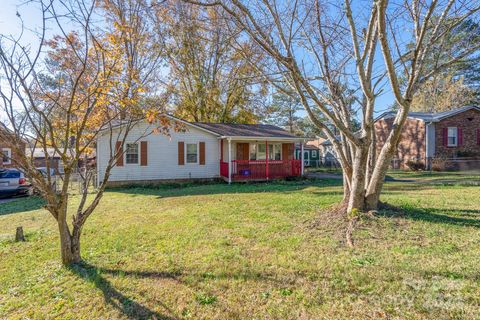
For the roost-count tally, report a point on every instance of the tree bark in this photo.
(357, 190)
(19, 234)
(69, 246)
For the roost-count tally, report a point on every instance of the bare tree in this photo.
(331, 55)
(87, 81)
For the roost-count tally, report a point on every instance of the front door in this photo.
(242, 151)
(306, 158)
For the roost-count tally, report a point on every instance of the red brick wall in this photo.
(469, 122)
(411, 145)
(4, 144)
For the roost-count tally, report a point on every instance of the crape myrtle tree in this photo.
(63, 92)
(332, 52)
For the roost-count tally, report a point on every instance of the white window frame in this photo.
(271, 146)
(9, 151)
(186, 153)
(455, 135)
(126, 153)
(275, 146)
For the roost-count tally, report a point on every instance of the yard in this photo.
(251, 251)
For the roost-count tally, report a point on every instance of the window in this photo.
(192, 153)
(131, 154)
(314, 153)
(452, 137)
(10, 174)
(6, 154)
(274, 151)
(259, 151)
(253, 151)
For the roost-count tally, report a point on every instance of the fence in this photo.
(431, 163)
(77, 180)
(437, 164)
(323, 162)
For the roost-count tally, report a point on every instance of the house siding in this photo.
(469, 122)
(162, 156)
(412, 143)
(3, 144)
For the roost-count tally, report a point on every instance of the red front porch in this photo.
(243, 170)
(258, 160)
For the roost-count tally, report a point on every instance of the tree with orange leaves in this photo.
(81, 83)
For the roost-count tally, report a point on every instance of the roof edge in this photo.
(435, 117)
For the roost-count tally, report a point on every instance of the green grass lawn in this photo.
(251, 251)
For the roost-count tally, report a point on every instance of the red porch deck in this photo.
(245, 170)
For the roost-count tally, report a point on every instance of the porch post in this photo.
(221, 150)
(266, 159)
(229, 161)
(301, 157)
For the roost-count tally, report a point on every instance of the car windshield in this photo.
(9, 174)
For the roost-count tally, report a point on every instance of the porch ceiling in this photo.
(272, 139)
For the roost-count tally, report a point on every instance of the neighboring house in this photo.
(452, 136)
(311, 154)
(41, 159)
(234, 152)
(7, 153)
(326, 153)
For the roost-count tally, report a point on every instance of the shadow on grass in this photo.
(134, 310)
(129, 307)
(21, 204)
(467, 218)
(196, 189)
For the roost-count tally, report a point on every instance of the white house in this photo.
(202, 151)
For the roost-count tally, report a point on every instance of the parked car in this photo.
(13, 183)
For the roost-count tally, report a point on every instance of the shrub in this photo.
(467, 154)
(439, 164)
(415, 165)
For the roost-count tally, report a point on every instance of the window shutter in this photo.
(143, 153)
(478, 136)
(119, 153)
(445, 137)
(460, 136)
(181, 153)
(202, 153)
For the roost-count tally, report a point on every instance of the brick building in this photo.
(450, 138)
(7, 151)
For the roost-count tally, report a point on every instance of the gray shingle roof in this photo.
(245, 130)
(431, 116)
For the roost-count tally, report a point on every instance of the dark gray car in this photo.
(13, 182)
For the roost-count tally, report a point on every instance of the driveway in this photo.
(5, 200)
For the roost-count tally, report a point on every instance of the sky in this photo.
(10, 23)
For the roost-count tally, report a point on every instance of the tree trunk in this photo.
(357, 190)
(19, 234)
(375, 185)
(69, 246)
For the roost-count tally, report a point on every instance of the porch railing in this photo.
(259, 170)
